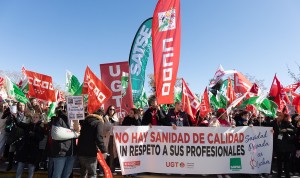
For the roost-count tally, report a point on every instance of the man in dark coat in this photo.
(154, 115)
(89, 141)
(177, 117)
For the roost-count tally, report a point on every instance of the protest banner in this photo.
(190, 150)
(75, 107)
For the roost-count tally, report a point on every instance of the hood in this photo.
(92, 117)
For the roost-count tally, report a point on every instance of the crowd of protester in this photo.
(25, 136)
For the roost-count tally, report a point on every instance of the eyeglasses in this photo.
(111, 109)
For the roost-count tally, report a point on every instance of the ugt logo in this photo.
(167, 20)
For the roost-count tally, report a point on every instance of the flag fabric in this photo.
(102, 162)
(235, 103)
(51, 111)
(241, 83)
(60, 96)
(222, 100)
(124, 82)
(296, 103)
(219, 74)
(275, 87)
(23, 84)
(40, 86)
(189, 101)
(72, 83)
(166, 32)
(138, 58)
(143, 101)
(98, 93)
(214, 102)
(204, 105)
(1, 81)
(279, 95)
(78, 92)
(230, 92)
(178, 94)
(292, 87)
(268, 107)
(14, 92)
(255, 89)
(111, 76)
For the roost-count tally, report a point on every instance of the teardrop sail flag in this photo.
(166, 32)
(138, 58)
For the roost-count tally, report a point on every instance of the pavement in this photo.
(43, 174)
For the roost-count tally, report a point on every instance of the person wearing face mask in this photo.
(244, 119)
(132, 118)
(27, 146)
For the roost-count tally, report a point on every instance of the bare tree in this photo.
(259, 82)
(293, 75)
(151, 83)
(14, 76)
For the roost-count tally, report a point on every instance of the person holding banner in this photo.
(89, 141)
(284, 134)
(154, 115)
(110, 120)
(132, 118)
(177, 117)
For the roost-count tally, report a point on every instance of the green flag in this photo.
(124, 82)
(51, 111)
(13, 91)
(178, 94)
(214, 102)
(72, 83)
(222, 100)
(143, 101)
(250, 101)
(138, 58)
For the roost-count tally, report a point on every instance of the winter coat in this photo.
(284, 141)
(108, 131)
(179, 119)
(61, 148)
(27, 146)
(128, 121)
(160, 117)
(91, 136)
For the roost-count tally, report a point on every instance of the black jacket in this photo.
(91, 136)
(27, 146)
(160, 117)
(284, 141)
(128, 121)
(61, 148)
(179, 119)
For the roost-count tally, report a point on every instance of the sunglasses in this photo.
(111, 109)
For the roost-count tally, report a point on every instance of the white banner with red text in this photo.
(194, 150)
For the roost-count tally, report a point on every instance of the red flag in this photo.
(204, 106)
(111, 75)
(279, 95)
(189, 101)
(60, 96)
(254, 89)
(241, 83)
(1, 81)
(230, 92)
(296, 103)
(102, 162)
(166, 30)
(40, 86)
(292, 87)
(97, 91)
(275, 87)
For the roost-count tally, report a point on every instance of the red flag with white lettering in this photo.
(98, 93)
(278, 93)
(166, 31)
(190, 102)
(292, 87)
(111, 74)
(241, 83)
(205, 106)
(40, 86)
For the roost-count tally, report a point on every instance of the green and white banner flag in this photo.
(51, 111)
(143, 101)
(72, 83)
(264, 105)
(138, 58)
(14, 92)
(124, 82)
(178, 94)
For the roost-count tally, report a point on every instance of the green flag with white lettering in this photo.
(72, 83)
(138, 58)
